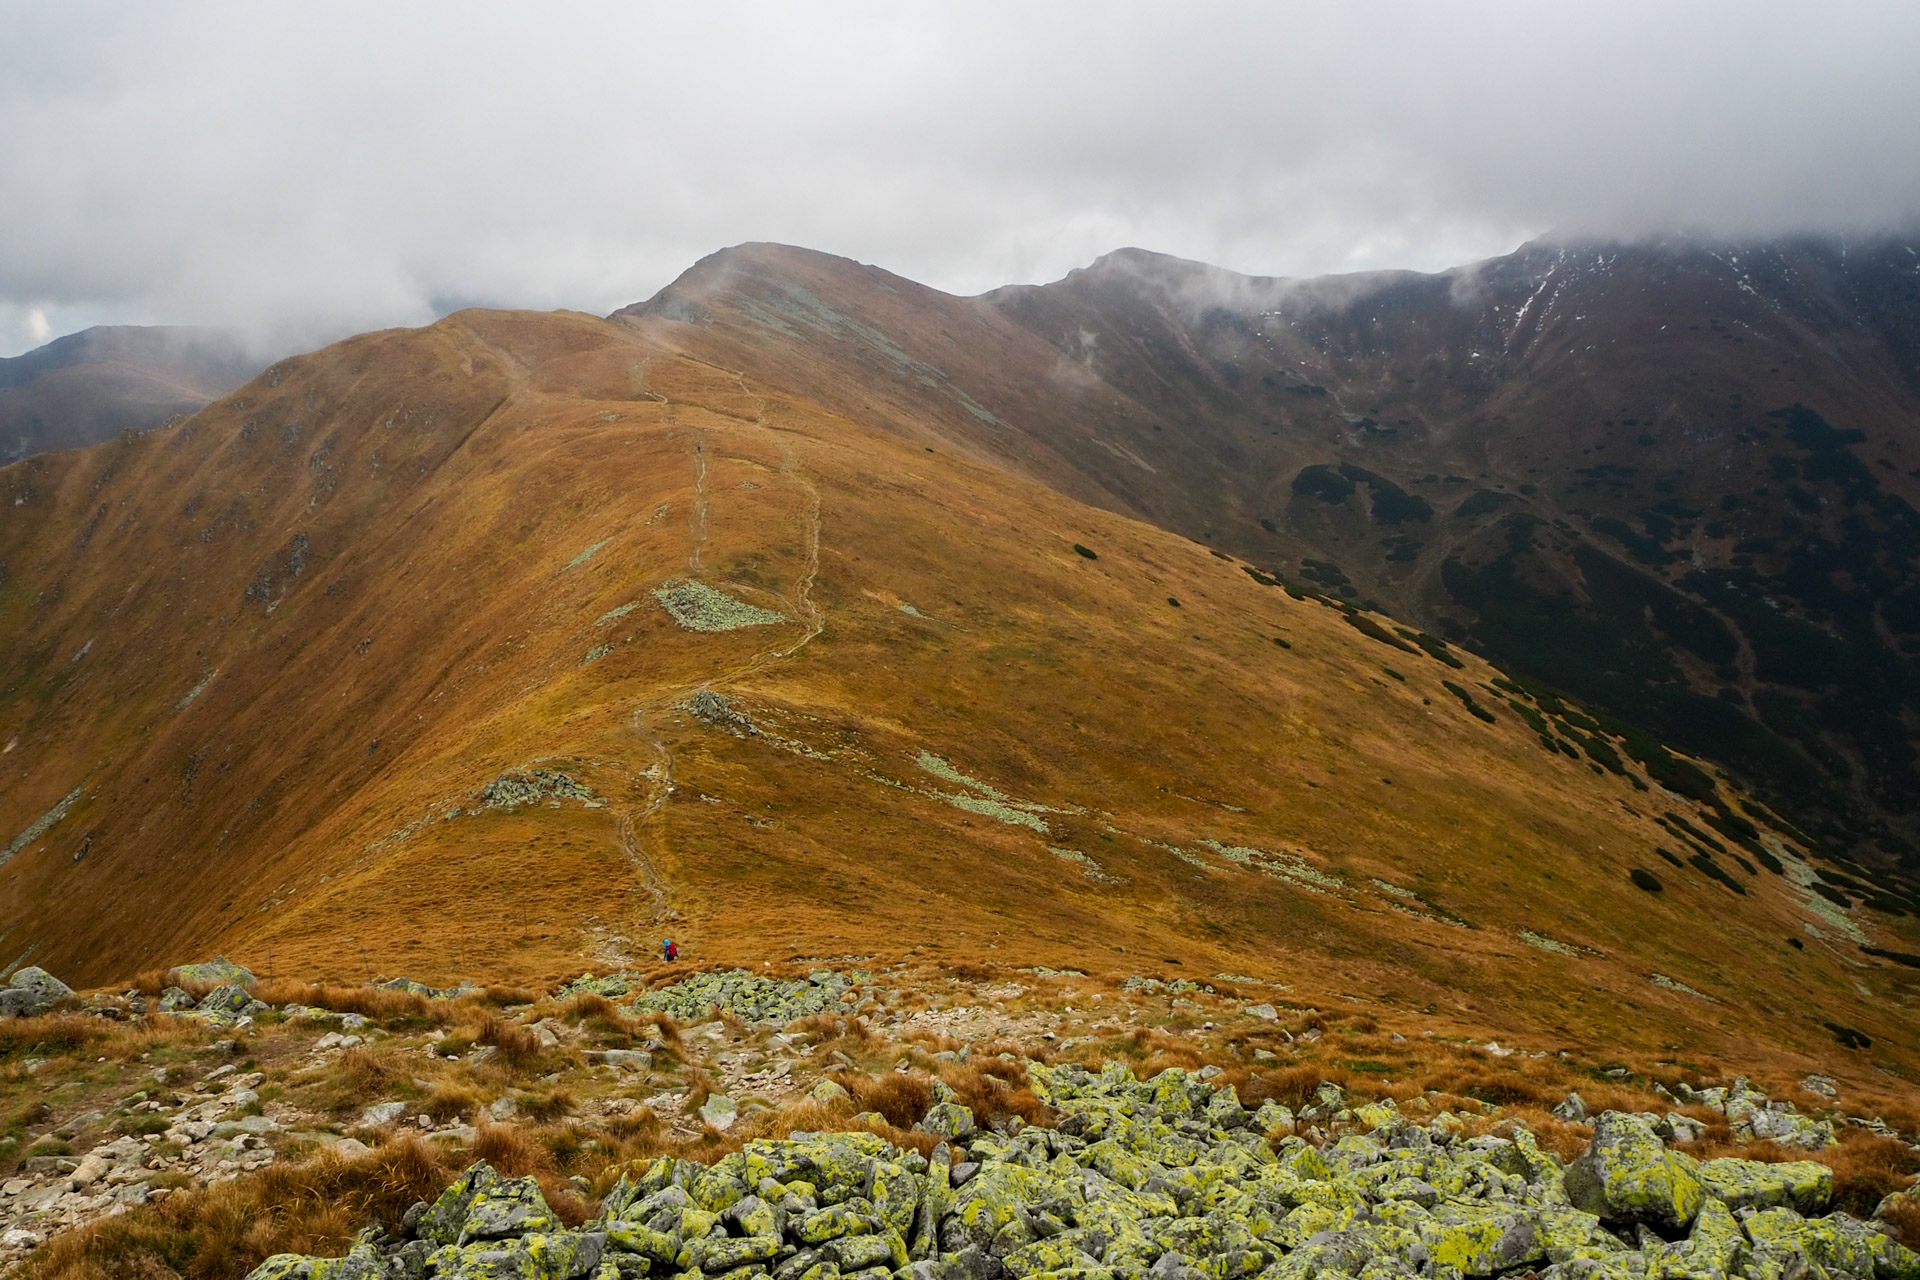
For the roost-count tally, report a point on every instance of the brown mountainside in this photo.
(1678, 481)
(92, 385)
(384, 663)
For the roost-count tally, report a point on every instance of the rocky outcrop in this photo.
(766, 1001)
(518, 787)
(1754, 1116)
(217, 972)
(32, 992)
(1629, 1176)
(1164, 1179)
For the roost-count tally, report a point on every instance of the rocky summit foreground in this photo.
(1168, 1178)
(900, 1124)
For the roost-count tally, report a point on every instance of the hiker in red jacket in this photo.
(668, 951)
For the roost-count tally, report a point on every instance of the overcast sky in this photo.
(307, 170)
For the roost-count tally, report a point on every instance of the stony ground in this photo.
(1169, 1178)
(1046, 1121)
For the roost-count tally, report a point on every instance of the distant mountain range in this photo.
(1677, 480)
(92, 385)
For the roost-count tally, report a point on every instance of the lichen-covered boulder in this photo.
(830, 1093)
(717, 1253)
(720, 1111)
(509, 1207)
(1789, 1129)
(894, 1193)
(1376, 1249)
(217, 972)
(1379, 1115)
(1568, 1235)
(947, 1120)
(1783, 1242)
(857, 1253)
(559, 1255)
(1627, 1175)
(480, 1205)
(991, 1199)
(752, 1216)
(31, 992)
(1804, 1186)
(363, 1262)
(1046, 1257)
(637, 1238)
(1481, 1241)
(831, 1223)
(230, 1002)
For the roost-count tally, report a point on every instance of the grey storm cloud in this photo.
(303, 170)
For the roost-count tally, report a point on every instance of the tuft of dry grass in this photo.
(590, 1004)
(68, 1035)
(228, 1229)
(901, 1096)
(832, 1031)
(508, 1149)
(1292, 1087)
(669, 1030)
(385, 1006)
(993, 1089)
(518, 1047)
(642, 1125)
(1904, 1219)
(359, 1075)
(1867, 1168)
(550, 1105)
(501, 996)
(453, 1102)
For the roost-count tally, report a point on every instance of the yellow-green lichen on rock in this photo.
(1629, 1176)
(1804, 1186)
(1163, 1179)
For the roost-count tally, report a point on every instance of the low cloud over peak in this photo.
(305, 171)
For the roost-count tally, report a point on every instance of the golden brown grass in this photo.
(501, 996)
(901, 1096)
(548, 1105)
(592, 1007)
(509, 1149)
(1117, 703)
(1904, 1219)
(832, 1031)
(67, 1035)
(640, 1125)
(1867, 1167)
(228, 1229)
(519, 1049)
(451, 1101)
(378, 1003)
(358, 1076)
(993, 1089)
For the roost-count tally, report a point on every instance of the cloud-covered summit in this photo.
(307, 170)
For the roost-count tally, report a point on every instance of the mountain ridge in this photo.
(505, 645)
(1459, 403)
(89, 386)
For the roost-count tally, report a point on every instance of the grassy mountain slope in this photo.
(90, 386)
(1677, 480)
(263, 666)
